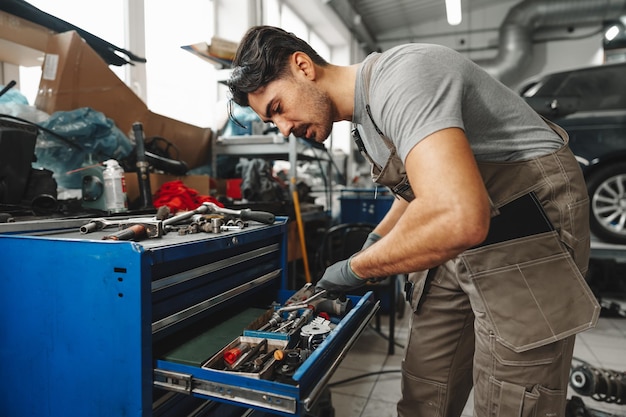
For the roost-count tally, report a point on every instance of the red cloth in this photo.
(178, 197)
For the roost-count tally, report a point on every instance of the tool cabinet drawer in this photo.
(281, 395)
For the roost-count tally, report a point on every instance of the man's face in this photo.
(295, 105)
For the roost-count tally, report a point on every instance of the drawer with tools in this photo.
(164, 324)
(281, 361)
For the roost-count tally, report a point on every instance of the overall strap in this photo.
(367, 72)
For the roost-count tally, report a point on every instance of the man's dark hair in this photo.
(262, 57)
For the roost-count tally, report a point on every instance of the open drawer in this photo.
(180, 374)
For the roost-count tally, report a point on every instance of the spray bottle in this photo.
(114, 187)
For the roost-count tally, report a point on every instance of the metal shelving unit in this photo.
(272, 146)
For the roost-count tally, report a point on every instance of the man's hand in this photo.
(339, 279)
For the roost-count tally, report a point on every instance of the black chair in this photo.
(340, 242)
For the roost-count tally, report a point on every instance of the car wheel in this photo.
(607, 191)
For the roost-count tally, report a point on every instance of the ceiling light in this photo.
(612, 33)
(453, 12)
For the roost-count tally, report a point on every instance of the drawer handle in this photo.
(212, 302)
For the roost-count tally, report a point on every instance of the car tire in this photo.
(607, 194)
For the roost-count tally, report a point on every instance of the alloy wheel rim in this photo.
(609, 204)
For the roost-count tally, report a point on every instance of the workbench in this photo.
(95, 327)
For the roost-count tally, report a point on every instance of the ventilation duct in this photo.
(516, 32)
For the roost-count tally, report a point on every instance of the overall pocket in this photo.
(531, 291)
(514, 400)
(414, 289)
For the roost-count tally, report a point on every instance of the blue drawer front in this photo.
(75, 316)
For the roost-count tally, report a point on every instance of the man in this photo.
(491, 202)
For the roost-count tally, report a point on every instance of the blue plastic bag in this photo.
(89, 138)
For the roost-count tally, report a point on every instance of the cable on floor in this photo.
(384, 336)
(354, 378)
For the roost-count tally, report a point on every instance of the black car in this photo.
(590, 104)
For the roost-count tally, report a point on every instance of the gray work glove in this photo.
(371, 239)
(338, 279)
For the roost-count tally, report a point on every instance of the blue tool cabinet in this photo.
(364, 205)
(87, 323)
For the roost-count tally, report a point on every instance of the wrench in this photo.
(101, 223)
(302, 304)
(97, 224)
(243, 214)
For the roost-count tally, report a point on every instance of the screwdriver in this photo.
(231, 355)
(245, 356)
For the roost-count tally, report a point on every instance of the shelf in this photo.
(273, 146)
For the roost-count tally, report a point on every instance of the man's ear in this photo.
(303, 65)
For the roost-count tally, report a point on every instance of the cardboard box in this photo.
(75, 76)
(22, 42)
(222, 48)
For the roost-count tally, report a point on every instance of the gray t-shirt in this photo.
(418, 89)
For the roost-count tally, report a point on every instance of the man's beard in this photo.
(322, 114)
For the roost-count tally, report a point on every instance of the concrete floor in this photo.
(376, 395)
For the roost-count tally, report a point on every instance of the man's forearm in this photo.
(391, 218)
(425, 236)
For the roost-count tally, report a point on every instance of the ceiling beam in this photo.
(324, 21)
(353, 21)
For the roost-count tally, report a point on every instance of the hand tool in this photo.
(303, 303)
(97, 224)
(283, 327)
(314, 333)
(305, 258)
(233, 354)
(256, 364)
(253, 352)
(143, 173)
(336, 307)
(303, 293)
(101, 223)
(132, 232)
(146, 227)
(303, 319)
(152, 229)
(244, 214)
(184, 216)
(272, 322)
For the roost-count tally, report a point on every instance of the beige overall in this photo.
(502, 317)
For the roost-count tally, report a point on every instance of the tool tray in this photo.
(114, 327)
(217, 363)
